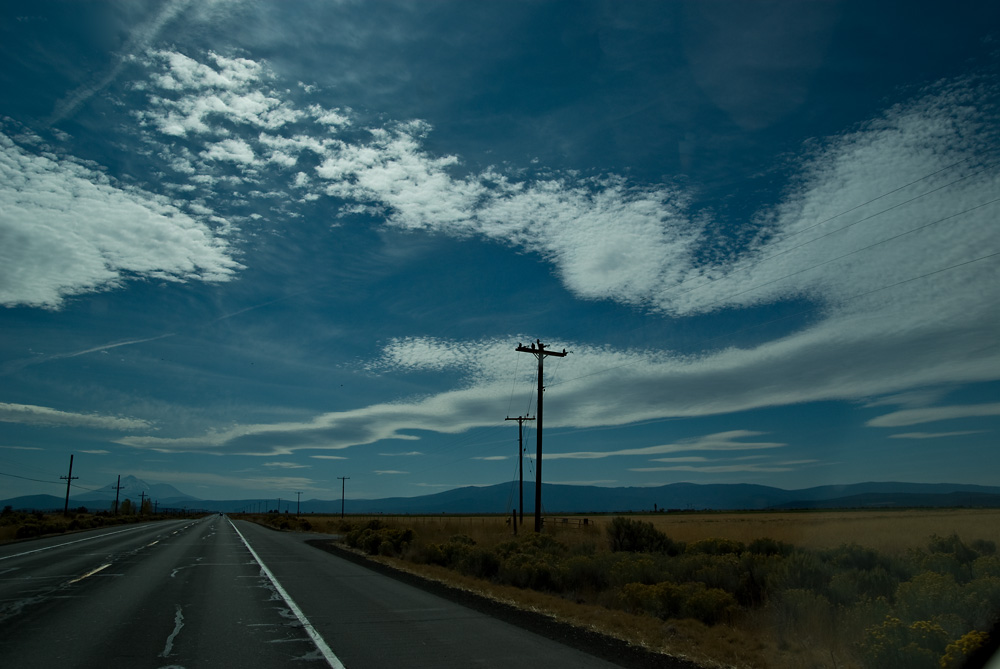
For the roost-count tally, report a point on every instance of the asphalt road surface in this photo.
(217, 593)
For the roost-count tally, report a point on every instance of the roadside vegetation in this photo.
(927, 602)
(16, 525)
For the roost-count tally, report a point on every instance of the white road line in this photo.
(328, 654)
(68, 543)
(90, 573)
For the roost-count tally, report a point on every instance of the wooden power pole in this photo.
(520, 460)
(118, 489)
(540, 353)
(69, 481)
(343, 483)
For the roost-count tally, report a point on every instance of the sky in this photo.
(250, 247)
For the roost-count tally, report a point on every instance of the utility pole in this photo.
(520, 460)
(540, 353)
(343, 480)
(69, 481)
(298, 500)
(142, 501)
(118, 487)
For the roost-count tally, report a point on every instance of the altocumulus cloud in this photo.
(68, 230)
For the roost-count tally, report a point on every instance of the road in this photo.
(218, 593)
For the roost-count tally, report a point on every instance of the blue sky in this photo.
(251, 247)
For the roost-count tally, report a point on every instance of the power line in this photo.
(28, 479)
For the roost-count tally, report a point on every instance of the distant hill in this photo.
(557, 498)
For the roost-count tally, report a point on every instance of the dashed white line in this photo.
(321, 645)
(90, 573)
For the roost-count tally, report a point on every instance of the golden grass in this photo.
(887, 531)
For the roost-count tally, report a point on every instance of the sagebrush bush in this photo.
(679, 600)
(636, 536)
(716, 547)
(895, 645)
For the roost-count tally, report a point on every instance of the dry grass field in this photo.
(888, 531)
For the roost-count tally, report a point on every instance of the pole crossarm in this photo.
(539, 351)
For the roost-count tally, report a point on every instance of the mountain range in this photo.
(556, 498)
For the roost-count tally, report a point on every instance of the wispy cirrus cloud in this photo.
(934, 414)
(722, 441)
(29, 414)
(934, 435)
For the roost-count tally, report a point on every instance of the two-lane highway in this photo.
(172, 593)
(211, 593)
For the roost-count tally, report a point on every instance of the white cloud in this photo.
(869, 213)
(286, 465)
(382, 472)
(187, 96)
(714, 469)
(30, 414)
(251, 484)
(68, 230)
(933, 435)
(234, 150)
(722, 441)
(934, 414)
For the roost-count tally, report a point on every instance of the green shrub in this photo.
(847, 587)
(767, 546)
(895, 645)
(927, 595)
(636, 536)
(981, 602)
(583, 573)
(524, 570)
(635, 569)
(371, 537)
(679, 600)
(958, 651)
(801, 570)
(716, 547)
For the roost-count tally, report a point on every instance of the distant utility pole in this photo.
(118, 488)
(520, 460)
(540, 353)
(343, 480)
(298, 500)
(142, 501)
(69, 481)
